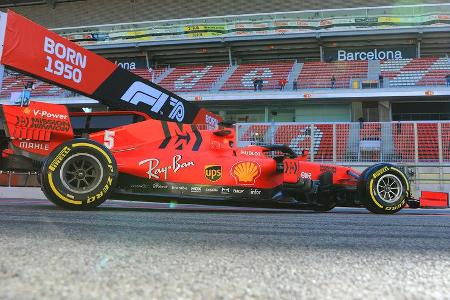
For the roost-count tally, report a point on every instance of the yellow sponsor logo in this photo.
(58, 159)
(204, 28)
(213, 173)
(380, 172)
(390, 208)
(246, 172)
(389, 20)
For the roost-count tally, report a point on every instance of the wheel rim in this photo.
(389, 188)
(81, 173)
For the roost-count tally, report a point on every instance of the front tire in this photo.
(79, 174)
(383, 189)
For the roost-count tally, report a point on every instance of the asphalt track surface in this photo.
(152, 251)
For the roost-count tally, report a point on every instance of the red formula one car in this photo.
(83, 162)
(164, 161)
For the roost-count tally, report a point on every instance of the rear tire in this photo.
(383, 189)
(79, 174)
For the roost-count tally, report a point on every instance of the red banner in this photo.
(33, 49)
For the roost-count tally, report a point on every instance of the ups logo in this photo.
(213, 173)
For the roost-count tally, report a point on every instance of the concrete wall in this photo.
(323, 113)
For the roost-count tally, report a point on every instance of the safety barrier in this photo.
(398, 142)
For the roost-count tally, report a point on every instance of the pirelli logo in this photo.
(380, 172)
(58, 159)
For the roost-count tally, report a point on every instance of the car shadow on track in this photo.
(125, 206)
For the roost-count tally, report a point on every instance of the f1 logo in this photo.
(141, 92)
(177, 112)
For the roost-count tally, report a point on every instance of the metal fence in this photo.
(399, 142)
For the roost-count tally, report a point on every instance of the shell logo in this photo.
(246, 172)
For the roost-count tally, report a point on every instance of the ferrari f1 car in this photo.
(165, 158)
(167, 161)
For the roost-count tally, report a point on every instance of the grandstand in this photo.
(215, 55)
(400, 76)
(94, 12)
(269, 72)
(193, 78)
(318, 74)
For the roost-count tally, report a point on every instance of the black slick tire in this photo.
(383, 189)
(79, 174)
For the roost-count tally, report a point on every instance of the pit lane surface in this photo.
(149, 251)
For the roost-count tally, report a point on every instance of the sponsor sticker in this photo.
(211, 122)
(179, 188)
(56, 125)
(196, 189)
(305, 175)
(238, 191)
(255, 192)
(155, 171)
(159, 186)
(380, 172)
(141, 186)
(225, 190)
(251, 153)
(212, 190)
(246, 172)
(42, 123)
(58, 159)
(34, 145)
(213, 172)
(46, 114)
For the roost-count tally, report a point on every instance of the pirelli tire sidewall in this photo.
(59, 192)
(369, 196)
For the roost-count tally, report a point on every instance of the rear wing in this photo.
(34, 50)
